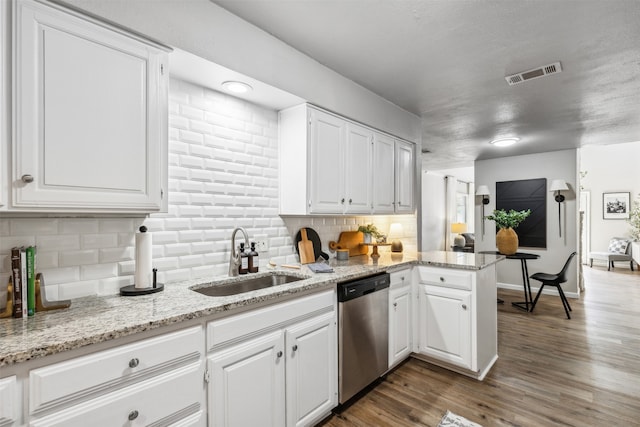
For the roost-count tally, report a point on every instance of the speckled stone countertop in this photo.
(95, 319)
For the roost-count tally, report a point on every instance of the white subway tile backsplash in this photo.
(119, 225)
(83, 257)
(98, 271)
(56, 276)
(33, 226)
(109, 255)
(77, 289)
(223, 173)
(102, 240)
(58, 242)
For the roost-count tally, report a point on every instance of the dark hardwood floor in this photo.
(551, 371)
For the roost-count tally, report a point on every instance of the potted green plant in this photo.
(369, 231)
(634, 220)
(506, 221)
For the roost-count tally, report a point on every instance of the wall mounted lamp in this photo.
(558, 185)
(483, 191)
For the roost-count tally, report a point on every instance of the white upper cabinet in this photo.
(383, 174)
(90, 124)
(405, 176)
(327, 143)
(357, 156)
(332, 165)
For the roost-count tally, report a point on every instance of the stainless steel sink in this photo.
(246, 285)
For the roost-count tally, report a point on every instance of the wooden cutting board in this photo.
(305, 248)
(350, 240)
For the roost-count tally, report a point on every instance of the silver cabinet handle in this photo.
(133, 415)
(134, 362)
(27, 179)
(295, 347)
(350, 201)
(442, 279)
(279, 354)
(395, 304)
(464, 306)
(342, 201)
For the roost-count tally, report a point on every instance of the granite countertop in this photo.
(95, 319)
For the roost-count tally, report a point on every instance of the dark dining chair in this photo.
(554, 280)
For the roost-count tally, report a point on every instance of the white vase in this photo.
(367, 237)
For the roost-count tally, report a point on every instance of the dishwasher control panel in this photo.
(362, 286)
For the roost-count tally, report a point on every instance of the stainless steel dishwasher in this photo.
(363, 333)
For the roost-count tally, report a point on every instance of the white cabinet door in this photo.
(399, 324)
(444, 324)
(90, 118)
(405, 172)
(9, 399)
(383, 174)
(312, 371)
(247, 385)
(357, 160)
(326, 162)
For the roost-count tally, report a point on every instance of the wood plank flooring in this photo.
(551, 371)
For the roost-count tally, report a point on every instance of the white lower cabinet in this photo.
(247, 383)
(9, 401)
(400, 321)
(456, 318)
(445, 324)
(157, 381)
(283, 374)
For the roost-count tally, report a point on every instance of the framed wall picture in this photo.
(615, 205)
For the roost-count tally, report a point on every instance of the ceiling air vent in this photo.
(535, 73)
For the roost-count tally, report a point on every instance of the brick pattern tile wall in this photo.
(223, 173)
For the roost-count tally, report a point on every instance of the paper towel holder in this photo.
(131, 290)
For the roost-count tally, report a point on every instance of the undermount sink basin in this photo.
(246, 285)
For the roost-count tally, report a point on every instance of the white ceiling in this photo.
(446, 60)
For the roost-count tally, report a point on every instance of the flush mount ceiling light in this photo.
(236, 87)
(504, 142)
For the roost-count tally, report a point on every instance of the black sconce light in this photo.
(558, 185)
(483, 191)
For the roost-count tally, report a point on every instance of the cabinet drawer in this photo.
(85, 377)
(449, 278)
(400, 278)
(257, 322)
(163, 400)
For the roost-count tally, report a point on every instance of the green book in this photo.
(31, 280)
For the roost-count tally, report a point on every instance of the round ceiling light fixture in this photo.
(504, 142)
(236, 87)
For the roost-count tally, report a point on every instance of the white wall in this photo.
(434, 206)
(223, 173)
(553, 165)
(209, 31)
(433, 212)
(609, 168)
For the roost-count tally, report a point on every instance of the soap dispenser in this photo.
(254, 260)
(243, 268)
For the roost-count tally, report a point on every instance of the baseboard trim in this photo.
(548, 290)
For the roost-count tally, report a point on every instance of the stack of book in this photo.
(23, 274)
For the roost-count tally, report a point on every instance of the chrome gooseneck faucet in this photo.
(234, 259)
